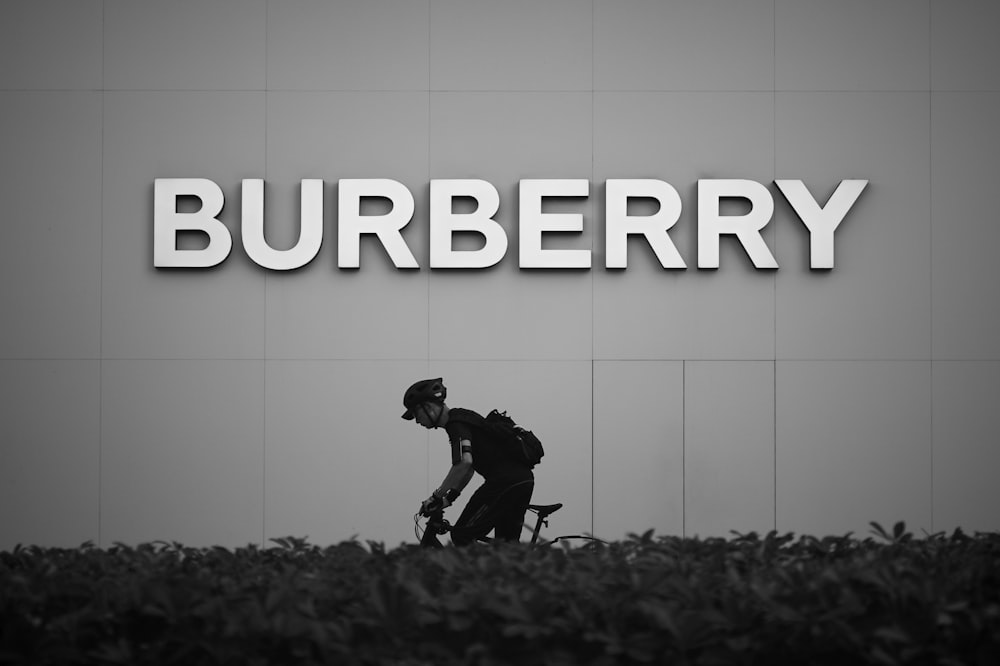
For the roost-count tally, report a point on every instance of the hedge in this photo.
(749, 599)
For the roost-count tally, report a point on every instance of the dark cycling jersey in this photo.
(489, 458)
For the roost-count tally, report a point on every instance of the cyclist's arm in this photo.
(461, 471)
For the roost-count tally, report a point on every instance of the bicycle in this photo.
(437, 525)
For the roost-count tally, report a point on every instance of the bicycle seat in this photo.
(544, 509)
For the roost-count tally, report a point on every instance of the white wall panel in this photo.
(728, 447)
(645, 311)
(50, 257)
(501, 138)
(347, 45)
(853, 446)
(966, 273)
(321, 311)
(340, 462)
(505, 136)
(966, 455)
(150, 313)
(964, 50)
(50, 44)
(485, 45)
(874, 303)
(49, 452)
(685, 45)
(501, 314)
(851, 45)
(182, 452)
(184, 45)
(550, 398)
(638, 448)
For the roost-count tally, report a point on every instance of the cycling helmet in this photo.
(426, 390)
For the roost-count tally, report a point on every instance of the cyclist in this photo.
(500, 503)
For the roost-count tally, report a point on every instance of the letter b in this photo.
(167, 222)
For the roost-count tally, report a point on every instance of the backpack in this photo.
(522, 444)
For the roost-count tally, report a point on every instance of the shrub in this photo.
(750, 599)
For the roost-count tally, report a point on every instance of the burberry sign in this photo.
(820, 221)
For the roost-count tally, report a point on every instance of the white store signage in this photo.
(821, 221)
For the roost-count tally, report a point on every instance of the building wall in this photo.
(235, 405)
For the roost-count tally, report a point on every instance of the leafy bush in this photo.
(772, 599)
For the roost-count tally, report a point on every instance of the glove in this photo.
(434, 503)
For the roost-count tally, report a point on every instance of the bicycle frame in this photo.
(438, 525)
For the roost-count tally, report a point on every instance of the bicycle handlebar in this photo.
(436, 525)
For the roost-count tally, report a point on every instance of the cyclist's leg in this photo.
(510, 512)
(475, 519)
(499, 505)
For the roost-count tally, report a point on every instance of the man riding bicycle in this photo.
(500, 503)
